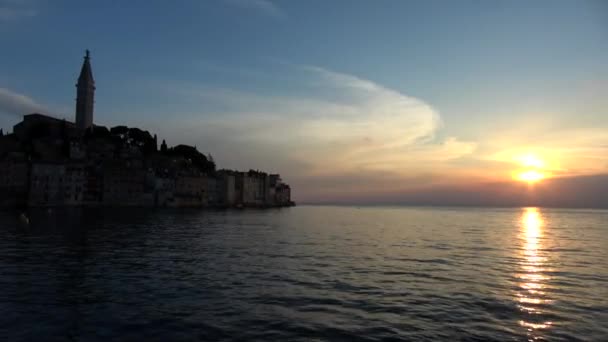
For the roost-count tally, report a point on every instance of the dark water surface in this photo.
(306, 273)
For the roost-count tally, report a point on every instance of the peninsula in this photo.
(49, 162)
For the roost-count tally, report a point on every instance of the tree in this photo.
(120, 130)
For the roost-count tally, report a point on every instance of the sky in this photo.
(350, 101)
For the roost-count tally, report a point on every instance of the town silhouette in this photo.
(50, 162)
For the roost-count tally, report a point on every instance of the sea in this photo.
(307, 273)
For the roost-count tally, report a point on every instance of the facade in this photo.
(47, 184)
(74, 184)
(190, 191)
(283, 195)
(124, 184)
(212, 191)
(92, 194)
(164, 188)
(254, 188)
(274, 180)
(226, 188)
(14, 180)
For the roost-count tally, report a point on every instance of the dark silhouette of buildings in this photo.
(52, 162)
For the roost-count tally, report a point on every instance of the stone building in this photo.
(14, 179)
(212, 191)
(254, 188)
(226, 188)
(39, 125)
(283, 195)
(274, 180)
(164, 188)
(46, 184)
(74, 184)
(190, 191)
(124, 184)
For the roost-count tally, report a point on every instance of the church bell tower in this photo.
(85, 95)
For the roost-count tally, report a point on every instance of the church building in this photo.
(85, 95)
(85, 101)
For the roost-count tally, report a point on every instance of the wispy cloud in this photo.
(11, 10)
(337, 126)
(13, 103)
(264, 6)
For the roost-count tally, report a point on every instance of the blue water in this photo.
(305, 274)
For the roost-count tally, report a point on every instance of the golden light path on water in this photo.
(532, 297)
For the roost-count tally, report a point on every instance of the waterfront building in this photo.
(46, 184)
(274, 180)
(124, 184)
(283, 195)
(164, 188)
(74, 184)
(226, 188)
(190, 191)
(212, 191)
(77, 151)
(254, 188)
(92, 194)
(14, 179)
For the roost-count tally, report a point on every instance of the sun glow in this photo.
(532, 161)
(532, 171)
(530, 176)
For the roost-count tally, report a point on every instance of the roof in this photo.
(34, 116)
(86, 73)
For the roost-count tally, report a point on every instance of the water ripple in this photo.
(306, 274)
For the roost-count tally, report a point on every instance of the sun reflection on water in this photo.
(531, 296)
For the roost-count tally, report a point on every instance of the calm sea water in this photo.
(306, 273)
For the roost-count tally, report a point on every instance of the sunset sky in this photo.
(348, 100)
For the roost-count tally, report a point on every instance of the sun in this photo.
(530, 176)
(532, 169)
(530, 160)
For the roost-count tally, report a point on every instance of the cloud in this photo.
(264, 6)
(337, 137)
(11, 10)
(337, 126)
(13, 103)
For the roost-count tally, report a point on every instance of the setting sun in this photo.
(531, 160)
(530, 176)
(532, 170)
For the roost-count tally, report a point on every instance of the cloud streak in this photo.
(338, 126)
(263, 6)
(339, 137)
(11, 10)
(16, 104)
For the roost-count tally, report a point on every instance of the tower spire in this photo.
(85, 94)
